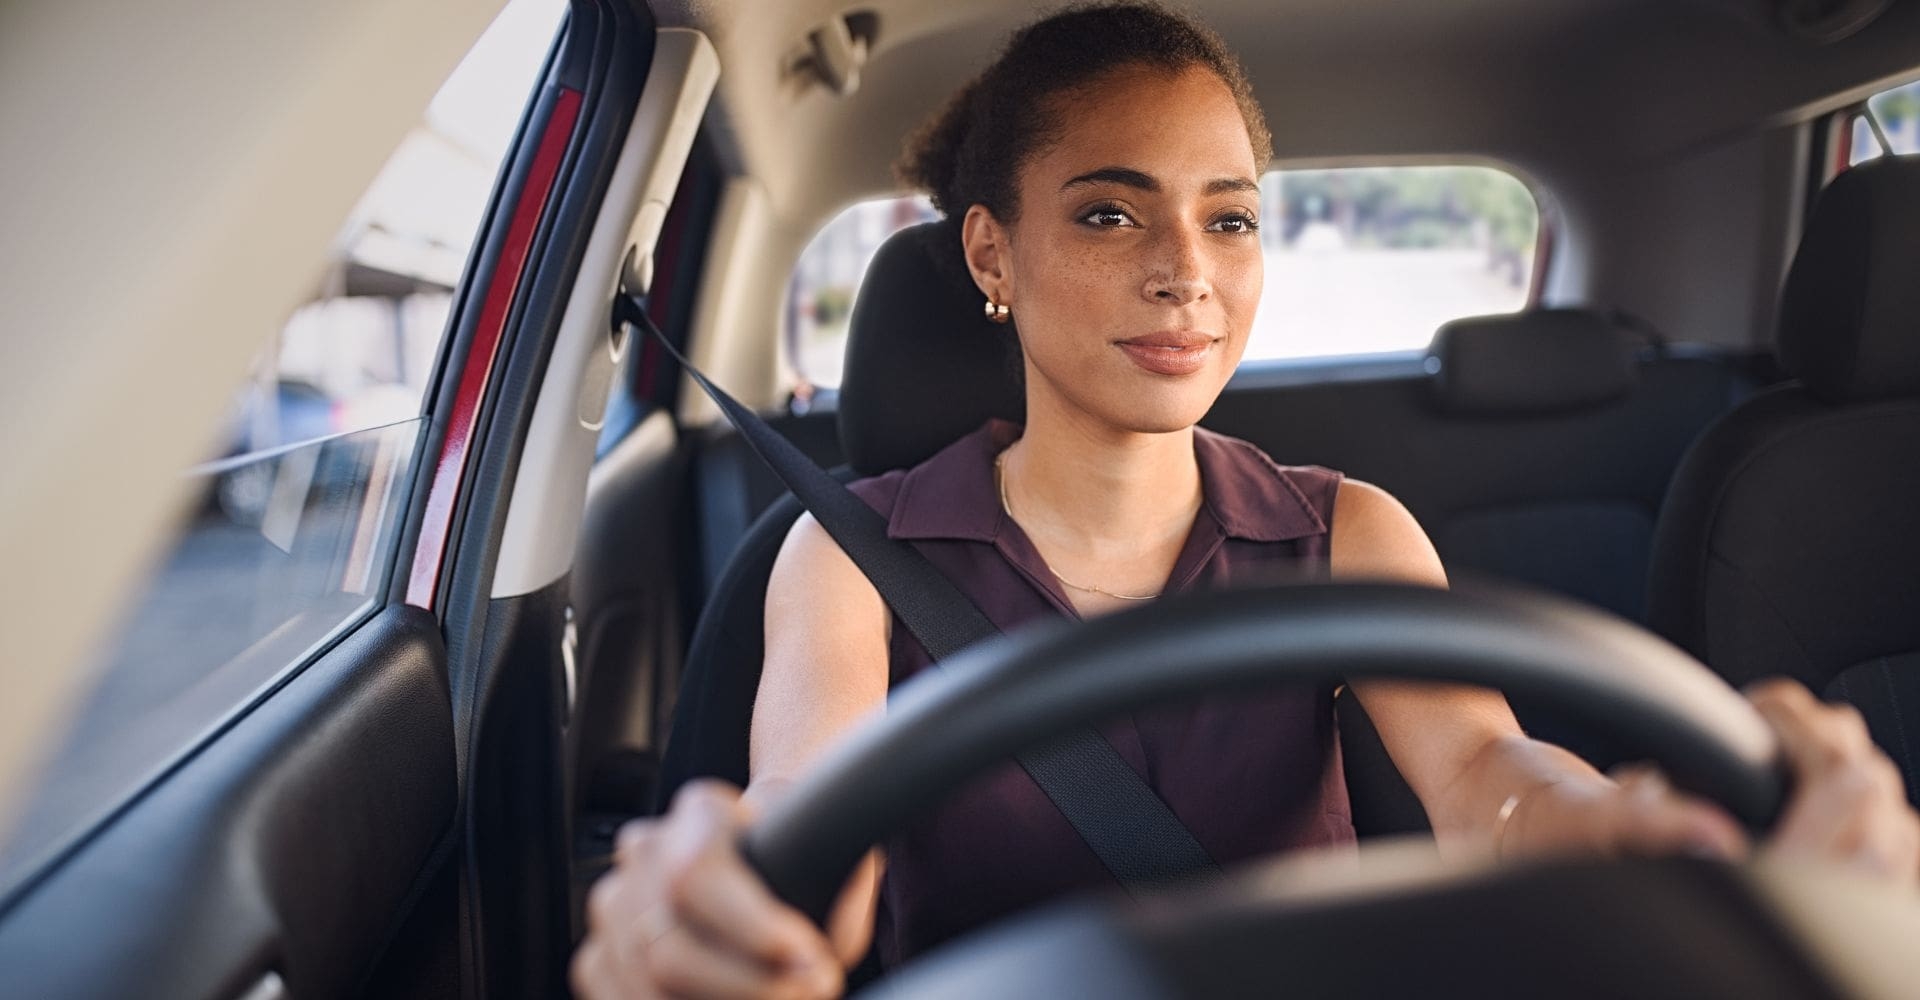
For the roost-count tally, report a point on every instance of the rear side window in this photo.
(1898, 112)
(1360, 260)
(297, 520)
(825, 281)
(1363, 260)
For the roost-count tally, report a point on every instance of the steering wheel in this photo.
(1014, 692)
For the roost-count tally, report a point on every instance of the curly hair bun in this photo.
(971, 152)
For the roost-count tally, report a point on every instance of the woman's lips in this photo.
(1168, 354)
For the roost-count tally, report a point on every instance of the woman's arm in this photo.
(1458, 747)
(681, 914)
(827, 635)
(1487, 787)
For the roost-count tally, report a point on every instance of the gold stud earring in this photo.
(997, 312)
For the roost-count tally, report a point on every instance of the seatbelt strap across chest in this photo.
(1128, 826)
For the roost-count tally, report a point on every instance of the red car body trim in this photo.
(502, 285)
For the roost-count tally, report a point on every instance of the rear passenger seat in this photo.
(731, 485)
(1534, 447)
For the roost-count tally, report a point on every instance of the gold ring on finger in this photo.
(656, 923)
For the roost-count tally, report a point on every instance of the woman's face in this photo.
(1134, 267)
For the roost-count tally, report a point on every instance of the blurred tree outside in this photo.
(1417, 208)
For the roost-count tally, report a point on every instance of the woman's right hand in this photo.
(681, 915)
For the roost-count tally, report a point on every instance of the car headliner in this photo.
(1651, 129)
(1544, 86)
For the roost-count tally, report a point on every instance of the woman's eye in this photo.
(1106, 217)
(1236, 224)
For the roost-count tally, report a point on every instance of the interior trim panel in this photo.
(262, 856)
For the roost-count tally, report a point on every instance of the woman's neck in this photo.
(1094, 494)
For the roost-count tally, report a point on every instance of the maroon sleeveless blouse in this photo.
(1251, 776)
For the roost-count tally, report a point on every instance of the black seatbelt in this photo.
(1130, 829)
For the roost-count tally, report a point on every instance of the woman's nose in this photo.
(1178, 274)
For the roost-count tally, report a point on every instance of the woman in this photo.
(1102, 181)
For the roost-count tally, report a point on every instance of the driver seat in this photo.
(1790, 541)
(923, 368)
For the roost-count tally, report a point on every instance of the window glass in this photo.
(298, 516)
(1359, 260)
(820, 296)
(1370, 259)
(1898, 111)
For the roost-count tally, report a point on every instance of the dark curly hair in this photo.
(971, 152)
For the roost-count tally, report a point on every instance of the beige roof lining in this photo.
(1545, 86)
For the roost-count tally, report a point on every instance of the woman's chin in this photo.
(1175, 405)
(1130, 401)
(1161, 413)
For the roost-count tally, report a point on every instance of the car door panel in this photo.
(628, 602)
(270, 850)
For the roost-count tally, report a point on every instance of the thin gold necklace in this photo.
(1000, 479)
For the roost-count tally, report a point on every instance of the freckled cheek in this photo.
(1074, 289)
(1239, 285)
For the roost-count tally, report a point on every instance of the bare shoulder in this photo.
(809, 549)
(826, 651)
(1376, 537)
(1361, 507)
(814, 585)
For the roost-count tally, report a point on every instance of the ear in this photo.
(985, 242)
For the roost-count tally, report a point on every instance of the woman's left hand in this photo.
(1849, 803)
(1848, 806)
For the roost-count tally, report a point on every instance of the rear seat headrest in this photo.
(1850, 309)
(1531, 362)
(924, 366)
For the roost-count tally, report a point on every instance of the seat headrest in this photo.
(1537, 361)
(1850, 310)
(924, 365)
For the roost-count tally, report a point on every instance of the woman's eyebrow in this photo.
(1228, 184)
(1146, 182)
(1116, 175)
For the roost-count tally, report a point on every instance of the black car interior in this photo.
(1789, 544)
(1534, 448)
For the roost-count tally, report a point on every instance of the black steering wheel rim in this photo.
(1014, 692)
